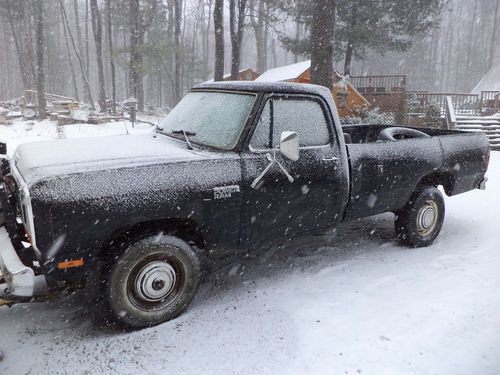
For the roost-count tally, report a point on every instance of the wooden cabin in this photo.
(348, 100)
(244, 75)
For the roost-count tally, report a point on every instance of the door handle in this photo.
(330, 159)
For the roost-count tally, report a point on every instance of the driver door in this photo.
(276, 209)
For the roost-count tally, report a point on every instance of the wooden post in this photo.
(451, 120)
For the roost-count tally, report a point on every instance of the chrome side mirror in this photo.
(289, 145)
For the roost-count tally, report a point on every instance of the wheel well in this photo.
(436, 179)
(185, 229)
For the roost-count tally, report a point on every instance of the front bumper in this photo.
(20, 279)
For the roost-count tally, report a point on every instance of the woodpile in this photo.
(63, 109)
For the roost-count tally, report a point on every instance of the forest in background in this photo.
(156, 50)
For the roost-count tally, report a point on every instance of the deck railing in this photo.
(421, 101)
(379, 84)
(489, 125)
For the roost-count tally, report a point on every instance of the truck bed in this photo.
(384, 174)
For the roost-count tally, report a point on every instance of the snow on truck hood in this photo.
(39, 160)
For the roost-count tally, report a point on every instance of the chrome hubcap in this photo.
(427, 218)
(155, 281)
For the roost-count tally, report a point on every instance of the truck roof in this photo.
(258, 87)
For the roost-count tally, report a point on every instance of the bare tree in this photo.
(236, 22)
(97, 31)
(494, 39)
(111, 52)
(87, 96)
(140, 19)
(86, 84)
(87, 49)
(135, 64)
(15, 13)
(219, 40)
(73, 75)
(262, 17)
(40, 49)
(177, 53)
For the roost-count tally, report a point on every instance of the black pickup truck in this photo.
(233, 168)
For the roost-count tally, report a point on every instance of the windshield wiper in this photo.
(186, 134)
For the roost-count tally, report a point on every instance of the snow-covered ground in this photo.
(348, 303)
(30, 131)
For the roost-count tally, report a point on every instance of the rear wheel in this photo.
(419, 222)
(152, 281)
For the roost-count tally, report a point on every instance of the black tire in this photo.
(152, 281)
(419, 222)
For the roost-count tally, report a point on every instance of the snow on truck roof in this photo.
(256, 87)
(490, 81)
(285, 73)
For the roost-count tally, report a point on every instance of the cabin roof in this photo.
(489, 82)
(285, 73)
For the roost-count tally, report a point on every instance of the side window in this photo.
(304, 116)
(261, 136)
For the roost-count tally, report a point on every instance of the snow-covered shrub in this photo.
(372, 116)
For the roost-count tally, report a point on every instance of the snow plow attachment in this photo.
(19, 280)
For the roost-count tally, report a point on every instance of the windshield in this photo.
(210, 118)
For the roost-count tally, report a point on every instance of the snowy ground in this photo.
(30, 131)
(350, 303)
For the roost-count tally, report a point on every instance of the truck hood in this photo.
(47, 159)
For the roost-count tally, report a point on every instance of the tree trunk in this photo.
(134, 53)
(297, 38)
(72, 68)
(40, 45)
(140, 77)
(493, 36)
(19, 50)
(177, 45)
(236, 23)
(259, 24)
(97, 31)
(350, 44)
(86, 85)
(77, 26)
(219, 40)
(322, 42)
(87, 53)
(111, 53)
(30, 46)
(472, 35)
(87, 97)
(348, 59)
(206, 40)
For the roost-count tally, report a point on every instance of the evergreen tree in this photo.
(381, 25)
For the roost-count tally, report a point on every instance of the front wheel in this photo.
(152, 281)
(419, 222)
